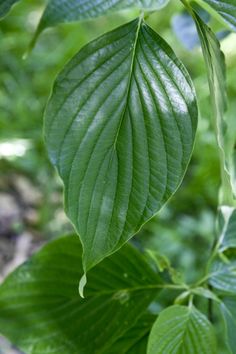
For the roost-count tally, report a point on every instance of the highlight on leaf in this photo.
(120, 128)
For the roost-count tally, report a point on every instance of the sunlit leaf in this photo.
(41, 310)
(120, 128)
(181, 329)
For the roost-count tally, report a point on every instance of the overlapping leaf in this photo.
(228, 235)
(226, 8)
(5, 6)
(228, 310)
(41, 310)
(223, 275)
(215, 64)
(58, 11)
(120, 127)
(181, 329)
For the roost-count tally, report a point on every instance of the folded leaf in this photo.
(5, 6)
(120, 128)
(227, 9)
(215, 64)
(41, 310)
(181, 329)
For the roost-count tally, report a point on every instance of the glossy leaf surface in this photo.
(120, 127)
(227, 9)
(41, 310)
(58, 11)
(181, 329)
(5, 6)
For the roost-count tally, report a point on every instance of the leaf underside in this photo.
(223, 276)
(120, 127)
(41, 310)
(226, 8)
(180, 329)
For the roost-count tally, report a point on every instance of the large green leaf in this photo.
(120, 127)
(41, 310)
(215, 64)
(226, 8)
(181, 329)
(58, 11)
(223, 275)
(228, 310)
(5, 6)
(135, 339)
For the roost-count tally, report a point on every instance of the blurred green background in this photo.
(31, 202)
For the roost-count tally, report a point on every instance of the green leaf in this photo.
(226, 8)
(228, 310)
(120, 128)
(223, 275)
(181, 329)
(228, 235)
(5, 6)
(135, 339)
(41, 310)
(215, 64)
(58, 11)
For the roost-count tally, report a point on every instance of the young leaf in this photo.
(181, 329)
(5, 6)
(226, 8)
(120, 128)
(41, 310)
(215, 65)
(228, 310)
(223, 276)
(228, 236)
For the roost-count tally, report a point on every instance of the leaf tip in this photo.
(82, 283)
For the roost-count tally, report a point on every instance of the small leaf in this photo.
(5, 6)
(228, 310)
(208, 294)
(58, 11)
(215, 64)
(120, 128)
(228, 235)
(223, 275)
(41, 310)
(226, 8)
(181, 329)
